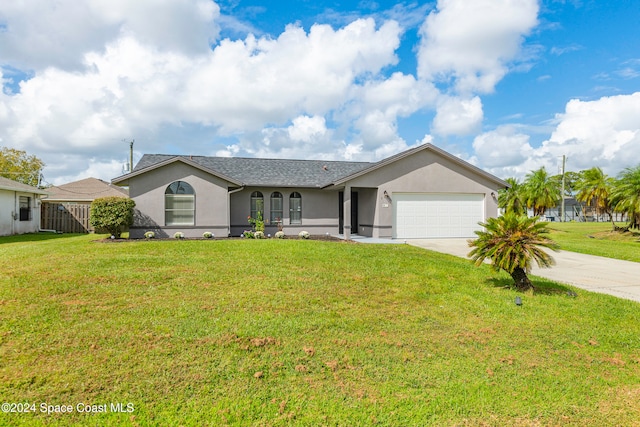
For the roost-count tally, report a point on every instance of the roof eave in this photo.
(124, 179)
(407, 153)
(23, 190)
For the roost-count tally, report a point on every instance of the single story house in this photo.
(83, 192)
(67, 207)
(423, 192)
(19, 207)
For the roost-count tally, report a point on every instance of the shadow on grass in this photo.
(541, 286)
(36, 237)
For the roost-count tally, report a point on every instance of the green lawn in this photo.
(289, 332)
(597, 238)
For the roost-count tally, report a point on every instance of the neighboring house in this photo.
(579, 211)
(19, 207)
(67, 206)
(424, 192)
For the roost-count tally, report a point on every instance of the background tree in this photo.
(112, 214)
(626, 195)
(19, 166)
(541, 191)
(512, 242)
(570, 181)
(594, 188)
(512, 199)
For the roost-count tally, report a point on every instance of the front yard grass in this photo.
(292, 332)
(597, 238)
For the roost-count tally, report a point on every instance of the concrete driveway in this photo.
(592, 273)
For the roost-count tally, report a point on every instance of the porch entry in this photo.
(354, 212)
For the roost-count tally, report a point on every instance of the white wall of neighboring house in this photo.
(10, 222)
(6, 210)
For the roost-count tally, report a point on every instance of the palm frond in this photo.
(513, 241)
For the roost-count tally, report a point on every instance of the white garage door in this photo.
(423, 216)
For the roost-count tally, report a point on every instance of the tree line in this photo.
(605, 194)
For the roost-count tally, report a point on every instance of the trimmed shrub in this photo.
(279, 235)
(303, 234)
(207, 235)
(112, 215)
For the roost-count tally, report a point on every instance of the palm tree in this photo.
(512, 199)
(594, 188)
(541, 191)
(512, 242)
(626, 195)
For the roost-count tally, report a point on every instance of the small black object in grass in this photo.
(572, 294)
(518, 301)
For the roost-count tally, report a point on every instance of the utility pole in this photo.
(131, 157)
(564, 161)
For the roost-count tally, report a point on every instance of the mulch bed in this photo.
(320, 237)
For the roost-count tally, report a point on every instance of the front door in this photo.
(354, 212)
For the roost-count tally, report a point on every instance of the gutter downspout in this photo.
(229, 208)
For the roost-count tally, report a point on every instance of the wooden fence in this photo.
(66, 218)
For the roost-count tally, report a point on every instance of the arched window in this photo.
(179, 204)
(276, 207)
(295, 208)
(257, 204)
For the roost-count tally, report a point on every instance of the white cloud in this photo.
(604, 133)
(458, 116)
(375, 108)
(472, 42)
(92, 167)
(502, 147)
(229, 151)
(238, 88)
(427, 139)
(246, 84)
(352, 151)
(399, 95)
(305, 128)
(558, 51)
(469, 47)
(389, 149)
(43, 33)
(377, 128)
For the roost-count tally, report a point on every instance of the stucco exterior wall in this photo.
(367, 198)
(9, 213)
(319, 210)
(211, 201)
(423, 172)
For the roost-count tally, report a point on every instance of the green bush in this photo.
(112, 215)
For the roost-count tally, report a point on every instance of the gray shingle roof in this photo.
(8, 184)
(87, 189)
(290, 173)
(267, 172)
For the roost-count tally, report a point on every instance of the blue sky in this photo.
(509, 85)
